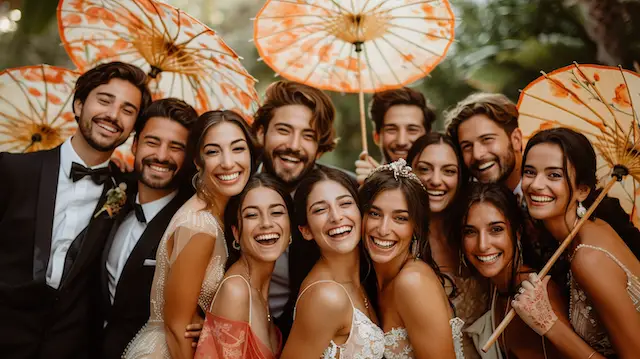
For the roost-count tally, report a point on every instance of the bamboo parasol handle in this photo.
(512, 313)
(363, 120)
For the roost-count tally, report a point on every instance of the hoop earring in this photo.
(235, 245)
(194, 180)
(463, 262)
(581, 211)
(290, 239)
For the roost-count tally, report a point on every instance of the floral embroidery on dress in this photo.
(398, 338)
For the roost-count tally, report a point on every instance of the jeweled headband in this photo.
(399, 169)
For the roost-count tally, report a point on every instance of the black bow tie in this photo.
(98, 176)
(137, 208)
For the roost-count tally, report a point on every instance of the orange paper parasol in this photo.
(354, 45)
(183, 57)
(36, 107)
(597, 101)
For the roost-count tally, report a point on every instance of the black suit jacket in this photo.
(38, 321)
(131, 304)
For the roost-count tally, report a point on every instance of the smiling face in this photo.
(160, 151)
(403, 125)
(438, 169)
(227, 159)
(544, 183)
(487, 240)
(333, 218)
(488, 152)
(387, 227)
(265, 227)
(290, 143)
(108, 114)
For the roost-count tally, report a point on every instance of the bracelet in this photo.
(592, 354)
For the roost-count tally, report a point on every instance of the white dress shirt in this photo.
(127, 237)
(75, 204)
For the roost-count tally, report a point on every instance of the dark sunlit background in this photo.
(501, 45)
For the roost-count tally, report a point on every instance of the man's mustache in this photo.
(291, 153)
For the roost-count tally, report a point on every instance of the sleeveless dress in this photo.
(470, 303)
(584, 320)
(365, 341)
(150, 342)
(223, 338)
(397, 345)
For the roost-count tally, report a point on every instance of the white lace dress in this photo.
(365, 341)
(397, 345)
(150, 341)
(582, 316)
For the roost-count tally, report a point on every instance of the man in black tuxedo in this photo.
(128, 261)
(295, 128)
(52, 231)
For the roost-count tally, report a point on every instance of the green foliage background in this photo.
(501, 45)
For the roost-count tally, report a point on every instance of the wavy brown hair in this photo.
(495, 106)
(383, 101)
(285, 93)
(203, 125)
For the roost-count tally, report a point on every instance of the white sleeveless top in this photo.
(365, 341)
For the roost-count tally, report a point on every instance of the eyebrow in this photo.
(324, 201)
(273, 205)
(111, 97)
(152, 137)
(546, 168)
(394, 211)
(496, 222)
(231, 144)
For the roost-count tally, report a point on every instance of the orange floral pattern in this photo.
(184, 58)
(312, 41)
(583, 98)
(35, 108)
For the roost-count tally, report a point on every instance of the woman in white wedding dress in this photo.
(192, 253)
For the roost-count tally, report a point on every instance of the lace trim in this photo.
(582, 316)
(399, 338)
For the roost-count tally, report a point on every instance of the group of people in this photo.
(230, 240)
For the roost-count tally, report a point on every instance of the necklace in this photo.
(266, 305)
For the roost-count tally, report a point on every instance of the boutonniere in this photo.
(116, 198)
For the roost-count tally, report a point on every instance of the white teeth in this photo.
(490, 258)
(436, 193)
(382, 243)
(159, 169)
(486, 165)
(229, 177)
(267, 237)
(290, 159)
(340, 230)
(541, 198)
(107, 127)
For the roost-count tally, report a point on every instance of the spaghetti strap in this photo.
(220, 286)
(314, 283)
(624, 268)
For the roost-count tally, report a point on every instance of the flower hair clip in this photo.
(399, 169)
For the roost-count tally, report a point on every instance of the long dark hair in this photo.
(448, 215)
(203, 124)
(578, 151)
(418, 206)
(234, 206)
(500, 197)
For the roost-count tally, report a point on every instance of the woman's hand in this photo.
(533, 306)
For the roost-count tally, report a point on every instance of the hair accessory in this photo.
(581, 211)
(399, 169)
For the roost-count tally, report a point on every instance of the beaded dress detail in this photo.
(366, 339)
(190, 220)
(585, 320)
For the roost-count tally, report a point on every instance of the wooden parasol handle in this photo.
(363, 119)
(512, 313)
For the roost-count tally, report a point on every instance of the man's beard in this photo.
(85, 127)
(286, 176)
(171, 183)
(506, 165)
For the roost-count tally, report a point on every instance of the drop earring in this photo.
(581, 211)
